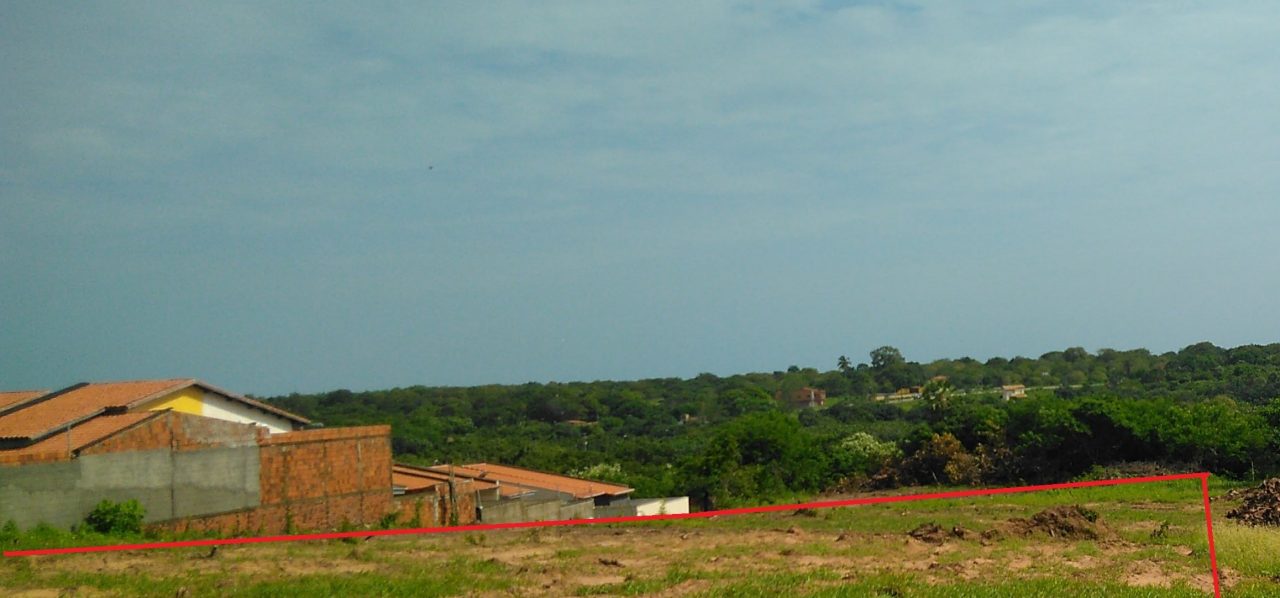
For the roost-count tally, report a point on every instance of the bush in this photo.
(942, 459)
(116, 518)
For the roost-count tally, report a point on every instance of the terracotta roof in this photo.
(417, 479)
(528, 478)
(10, 399)
(86, 433)
(74, 404)
(505, 488)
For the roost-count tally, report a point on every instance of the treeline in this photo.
(726, 440)
(1248, 373)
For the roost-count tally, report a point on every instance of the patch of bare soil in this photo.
(1072, 522)
(301, 567)
(1261, 505)
(1068, 522)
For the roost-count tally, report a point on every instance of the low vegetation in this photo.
(1144, 540)
(731, 441)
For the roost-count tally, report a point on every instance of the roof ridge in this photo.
(135, 381)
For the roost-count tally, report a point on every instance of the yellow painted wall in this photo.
(187, 400)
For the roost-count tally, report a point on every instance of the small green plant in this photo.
(116, 518)
(1089, 514)
(416, 520)
(389, 521)
(9, 533)
(347, 526)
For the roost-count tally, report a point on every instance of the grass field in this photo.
(1155, 545)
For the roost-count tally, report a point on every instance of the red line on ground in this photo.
(871, 500)
(1208, 524)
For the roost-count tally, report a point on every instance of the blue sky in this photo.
(296, 198)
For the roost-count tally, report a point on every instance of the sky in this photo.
(282, 197)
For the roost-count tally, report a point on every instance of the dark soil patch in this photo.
(933, 533)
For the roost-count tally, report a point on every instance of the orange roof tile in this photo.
(415, 479)
(13, 398)
(73, 404)
(413, 483)
(85, 434)
(579, 488)
(76, 403)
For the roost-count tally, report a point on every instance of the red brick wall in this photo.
(314, 480)
(22, 458)
(168, 430)
(177, 431)
(429, 509)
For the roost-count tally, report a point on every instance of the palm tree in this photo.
(843, 364)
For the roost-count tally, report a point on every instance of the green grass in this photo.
(898, 586)
(806, 561)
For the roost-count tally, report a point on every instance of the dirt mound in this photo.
(933, 533)
(1072, 522)
(1261, 505)
(929, 532)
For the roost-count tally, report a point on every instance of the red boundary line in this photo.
(872, 500)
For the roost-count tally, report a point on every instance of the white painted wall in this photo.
(675, 505)
(216, 405)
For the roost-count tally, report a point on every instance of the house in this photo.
(905, 393)
(493, 493)
(517, 481)
(195, 456)
(27, 417)
(803, 397)
(425, 497)
(1013, 391)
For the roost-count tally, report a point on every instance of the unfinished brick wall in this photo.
(179, 432)
(432, 509)
(314, 480)
(168, 430)
(24, 458)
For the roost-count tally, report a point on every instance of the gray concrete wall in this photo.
(535, 509)
(168, 484)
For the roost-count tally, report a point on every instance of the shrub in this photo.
(116, 518)
(942, 459)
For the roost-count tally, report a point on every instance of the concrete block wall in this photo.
(62, 493)
(535, 509)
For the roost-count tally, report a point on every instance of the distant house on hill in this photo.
(803, 397)
(1013, 391)
(905, 393)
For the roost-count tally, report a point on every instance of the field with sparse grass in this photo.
(1154, 545)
